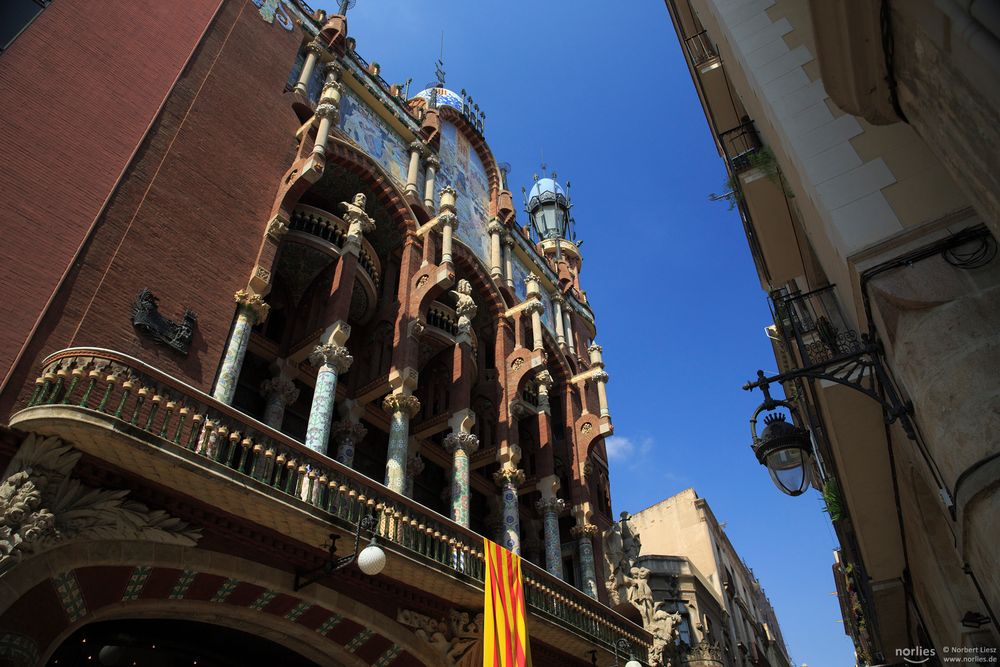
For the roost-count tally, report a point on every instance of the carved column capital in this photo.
(332, 70)
(281, 386)
(495, 227)
(558, 298)
(466, 442)
(595, 348)
(331, 355)
(552, 504)
(432, 161)
(448, 220)
(418, 147)
(534, 306)
(314, 48)
(410, 405)
(343, 430)
(509, 474)
(600, 376)
(508, 240)
(330, 111)
(254, 303)
(585, 530)
(544, 380)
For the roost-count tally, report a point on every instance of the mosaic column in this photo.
(332, 360)
(508, 260)
(495, 229)
(279, 392)
(250, 310)
(347, 435)
(550, 509)
(432, 163)
(585, 546)
(414, 467)
(601, 377)
(400, 408)
(509, 478)
(313, 51)
(461, 446)
(328, 112)
(557, 303)
(416, 150)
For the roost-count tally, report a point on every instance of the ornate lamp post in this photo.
(785, 449)
(371, 559)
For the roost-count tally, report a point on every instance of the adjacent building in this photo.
(261, 306)
(680, 551)
(860, 142)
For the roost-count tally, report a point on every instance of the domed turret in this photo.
(439, 96)
(548, 207)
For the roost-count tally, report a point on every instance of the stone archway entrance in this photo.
(170, 643)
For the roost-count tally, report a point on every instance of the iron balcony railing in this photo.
(740, 145)
(171, 414)
(813, 324)
(700, 49)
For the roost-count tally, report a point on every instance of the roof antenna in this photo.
(439, 66)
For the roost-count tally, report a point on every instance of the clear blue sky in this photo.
(602, 89)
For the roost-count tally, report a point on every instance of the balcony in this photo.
(813, 325)
(122, 411)
(702, 52)
(320, 224)
(740, 145)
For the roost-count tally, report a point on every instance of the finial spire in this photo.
(439, 65)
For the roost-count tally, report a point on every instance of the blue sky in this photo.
(602, 89)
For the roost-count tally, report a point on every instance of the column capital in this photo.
(558, 298)
(495, 227)
(315, 48)
(466, 442)
(534, 306)
(509, 474)
(332, 70)
(544, 379)
(254, 303)
(432, 161)
(342, 430)
(585, 530)
(552, 504)
(595, 348)
(280, 386)
(508, 240)
(331, 355)
(448, 220)
(600, 376)
(414, 465)
(418, 147)
(410, 405)
(530, 280)
(329, 111)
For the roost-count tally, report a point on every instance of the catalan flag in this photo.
(505, 628)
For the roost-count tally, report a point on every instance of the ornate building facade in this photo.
(674, 561)
(254, 295)
(859, 139)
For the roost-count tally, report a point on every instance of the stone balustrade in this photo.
(327, 226)
(164, 412)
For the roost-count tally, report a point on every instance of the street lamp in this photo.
(371, 559)
(785, 449)
(625, 647)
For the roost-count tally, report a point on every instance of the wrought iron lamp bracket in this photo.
(333, 563)
(849, 370)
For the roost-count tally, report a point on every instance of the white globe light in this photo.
(371, 560)
(633, 663)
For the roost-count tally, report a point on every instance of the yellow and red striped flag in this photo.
(505, 626)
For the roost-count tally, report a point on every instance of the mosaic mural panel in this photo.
(462, 169)
(374, 135)
(520, 273)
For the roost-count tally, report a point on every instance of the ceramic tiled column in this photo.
(250, 309)
(414, 467)
(585, 546)
(461, 446)
(346, 435)
(279, 392)
(332, 360)
(400, 408)
(550, 509)
(509, 478)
